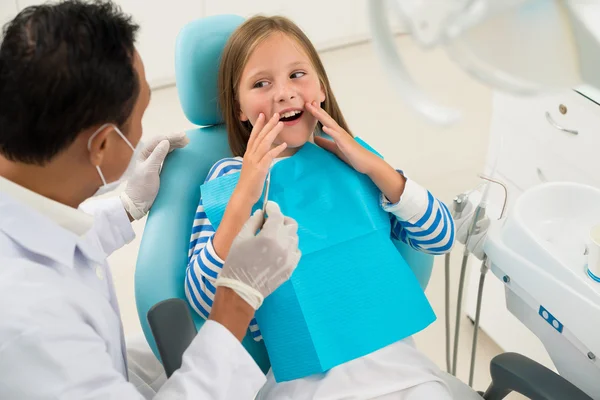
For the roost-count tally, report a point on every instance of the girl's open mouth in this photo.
(291, 116)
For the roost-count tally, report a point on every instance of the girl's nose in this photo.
(285, 92)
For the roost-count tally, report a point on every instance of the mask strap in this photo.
(101, 175)
(124, 138)
(90, 146)
(116, 130)
(94, 135)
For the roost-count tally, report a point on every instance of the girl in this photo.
(275, 94)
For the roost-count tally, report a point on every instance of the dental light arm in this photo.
(519, 46)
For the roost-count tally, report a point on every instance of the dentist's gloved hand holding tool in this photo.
(258, 263)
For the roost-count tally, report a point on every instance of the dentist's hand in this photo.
(142, 187)
(257, 264)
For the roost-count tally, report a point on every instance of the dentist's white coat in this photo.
(61, 335)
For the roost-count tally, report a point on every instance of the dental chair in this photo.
(169, 324)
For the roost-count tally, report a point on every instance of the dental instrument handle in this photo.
(477, 216)
(458, 205)
(461, 284)
(447, 314)
(484, 270)
(266, 196)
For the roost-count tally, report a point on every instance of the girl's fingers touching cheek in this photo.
(258, 126)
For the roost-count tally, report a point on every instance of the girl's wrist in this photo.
(388, 180)
(236, 214)
(239, 203)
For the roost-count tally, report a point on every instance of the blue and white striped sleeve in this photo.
(204, 263)
(421, 221)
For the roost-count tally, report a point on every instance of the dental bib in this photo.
(352, 292)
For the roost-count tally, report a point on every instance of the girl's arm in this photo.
(205, 261)
(419, 219)
(208, 248)
(259, 156)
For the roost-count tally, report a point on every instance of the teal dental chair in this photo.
(163, 255)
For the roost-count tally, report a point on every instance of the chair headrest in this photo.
(197, 55)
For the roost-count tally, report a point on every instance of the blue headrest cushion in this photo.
(197, 56)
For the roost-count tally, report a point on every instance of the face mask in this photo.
(109, 187)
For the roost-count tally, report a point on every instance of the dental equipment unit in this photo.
(556, 45)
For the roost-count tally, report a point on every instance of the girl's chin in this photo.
(294, 142)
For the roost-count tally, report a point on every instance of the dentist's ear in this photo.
(243, 117)
(98, 143)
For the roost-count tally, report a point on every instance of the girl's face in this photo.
(279, 78)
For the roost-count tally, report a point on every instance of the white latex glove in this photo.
(176, 141)
(257, 264)
(142, 187)
(477, 240)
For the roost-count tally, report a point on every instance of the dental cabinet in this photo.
(532, 140)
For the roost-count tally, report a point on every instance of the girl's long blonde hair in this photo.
(237, 51)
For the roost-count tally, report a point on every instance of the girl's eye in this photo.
(298, 74)
(260, 84)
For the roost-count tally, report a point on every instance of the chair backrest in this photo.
(163, 254)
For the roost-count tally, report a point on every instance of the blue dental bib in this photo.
(352, 292)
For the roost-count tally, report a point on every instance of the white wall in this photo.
(8, 9)
(328, 23)
(160, 22)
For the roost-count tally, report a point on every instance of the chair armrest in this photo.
(515, 372)
(173, 330)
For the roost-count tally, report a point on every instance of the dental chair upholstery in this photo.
(163, 255)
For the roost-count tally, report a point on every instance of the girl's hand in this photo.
(390, 182)
(258, 157)
(344, 146)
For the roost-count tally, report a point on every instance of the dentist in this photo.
(72, 95)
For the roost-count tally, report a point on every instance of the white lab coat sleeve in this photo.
(215, 366)
(111, 223)
(65, 358)
(59, 356)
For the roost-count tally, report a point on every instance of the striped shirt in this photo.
(418, 219)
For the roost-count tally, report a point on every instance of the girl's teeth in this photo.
(290, 114)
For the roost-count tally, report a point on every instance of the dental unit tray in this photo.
(539, 251)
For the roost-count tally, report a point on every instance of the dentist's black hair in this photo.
(64, 68)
